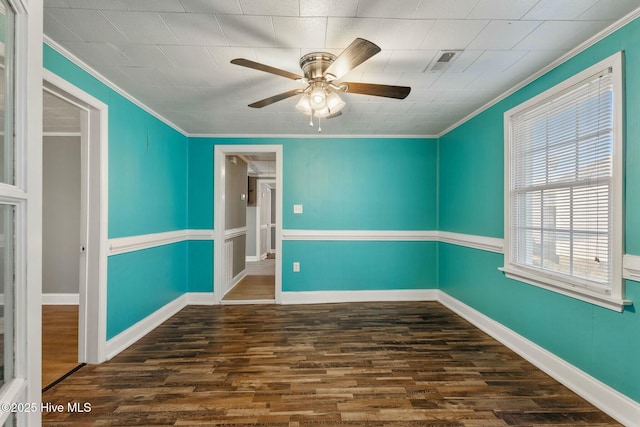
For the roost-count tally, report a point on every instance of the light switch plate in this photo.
(297, 209)
(296, 267)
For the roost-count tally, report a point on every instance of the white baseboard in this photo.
(60, 299)
(132, 334)
(200, 298)
(622, 408)
(252, 258)
(323, 297)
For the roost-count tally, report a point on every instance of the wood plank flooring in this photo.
(253, 288)
(374, 364)
(59, 341)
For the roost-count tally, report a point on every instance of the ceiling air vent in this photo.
(442, 60)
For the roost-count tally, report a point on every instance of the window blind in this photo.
(561, 183)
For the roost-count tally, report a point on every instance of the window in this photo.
(563, 187)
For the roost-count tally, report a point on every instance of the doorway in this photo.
(61, 225)
(258, 282)
(86, 259)
(265, 220)
(259, 278)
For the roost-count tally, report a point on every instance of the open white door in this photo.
(21, 210)
(92, 247)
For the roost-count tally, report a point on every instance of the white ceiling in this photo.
(173, 55)
(59, 115)
(261, 164)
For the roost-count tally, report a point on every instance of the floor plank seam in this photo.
(62, 378)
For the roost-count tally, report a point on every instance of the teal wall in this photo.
(360, 184)
(147, 160)
(343, 184)
(143, 281)
(602, 342)
(200, 184)
(147, 194)
(358, 265)
(200, 266)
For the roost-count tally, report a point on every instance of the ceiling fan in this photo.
(322, 71)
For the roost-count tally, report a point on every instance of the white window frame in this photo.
(614, 298)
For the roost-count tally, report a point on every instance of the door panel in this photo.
(20, 210)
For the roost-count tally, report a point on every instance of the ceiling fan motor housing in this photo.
(314, 65)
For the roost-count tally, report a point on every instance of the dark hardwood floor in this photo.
(374, 364)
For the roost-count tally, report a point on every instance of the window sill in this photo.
(587, 295)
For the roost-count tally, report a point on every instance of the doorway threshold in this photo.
(247, 301)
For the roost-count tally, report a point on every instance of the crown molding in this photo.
(102, 79)
(305, 136)
(561, 60)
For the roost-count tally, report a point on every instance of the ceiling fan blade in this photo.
(331, 116)
(275, 98)
(398, 92)
(266, 68)
(355, 54)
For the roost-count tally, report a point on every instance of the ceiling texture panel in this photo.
(173, 56)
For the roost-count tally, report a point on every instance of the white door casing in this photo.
(263, 216)
(219, 165)
(92, 247)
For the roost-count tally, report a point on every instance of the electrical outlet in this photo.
(296, 267)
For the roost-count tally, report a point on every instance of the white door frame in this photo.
(92, 319)
(219, 204)
(259, 201)
(26, 195)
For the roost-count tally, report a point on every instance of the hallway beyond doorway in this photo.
(258, 286)
(252, 288)
(59, 342)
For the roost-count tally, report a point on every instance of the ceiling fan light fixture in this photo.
(324, 112)
(334, 102)
(318, 98)
(304, 104)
